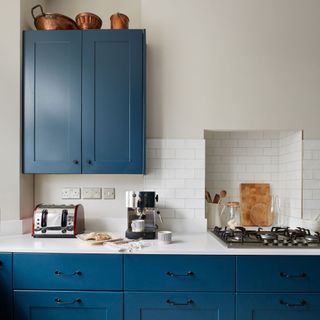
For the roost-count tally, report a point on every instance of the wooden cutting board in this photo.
(253, 196)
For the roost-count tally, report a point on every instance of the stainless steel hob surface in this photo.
(276, 237)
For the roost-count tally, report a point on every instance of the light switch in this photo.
(91, 193)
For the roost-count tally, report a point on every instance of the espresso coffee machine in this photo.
(142, 214)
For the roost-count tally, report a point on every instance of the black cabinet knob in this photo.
(89, 162)
(75, 161)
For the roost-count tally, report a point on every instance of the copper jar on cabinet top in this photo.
(119, 21)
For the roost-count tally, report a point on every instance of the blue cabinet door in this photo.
(178, 306)
(6, 286)
(66, 305)
(277, 306)
(52, 102)
(67, 271)
(113, 101)
(277, 274)
(179, 273)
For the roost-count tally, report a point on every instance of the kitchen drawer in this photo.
(178, 305)
(277, 306)
(67, 271)
(278, 274)
(179, 273)
(66, 305)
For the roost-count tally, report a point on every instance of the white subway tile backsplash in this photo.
(194, 183)
(194, 203)
(186, 173)
(174, 164)
(185, 153)
(174, 203)
(176, 171)
(185, 193)
(174, 183)
(184, 213)
(195, 164)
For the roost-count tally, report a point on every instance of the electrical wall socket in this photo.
(71, 193)
(108, 193)
(91, 193)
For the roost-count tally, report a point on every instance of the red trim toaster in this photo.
(57, 221)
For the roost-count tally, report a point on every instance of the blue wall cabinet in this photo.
(113, 98)
(84, 103)
(52, 102)
(6, 286)
(66, 305)
(178, 306)
(278, 306)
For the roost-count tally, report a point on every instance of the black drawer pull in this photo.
(60, 301)
(179, 304)
(62, 274)
(293, 276)
(293, 305)
(172, 274)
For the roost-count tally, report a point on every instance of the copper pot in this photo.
(52, 21)
(119, 21)
(88, 20)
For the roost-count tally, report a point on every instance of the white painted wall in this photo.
(10, 110)
(232, 64)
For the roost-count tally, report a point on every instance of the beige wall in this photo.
(232, 64)
(10, 109)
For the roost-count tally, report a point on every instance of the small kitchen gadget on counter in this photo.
(142, 206)
(57, 221)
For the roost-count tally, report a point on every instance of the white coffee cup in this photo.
(137, 225)
(164, 237)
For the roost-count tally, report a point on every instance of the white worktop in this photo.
(197, 243)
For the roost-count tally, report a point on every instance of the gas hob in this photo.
(276, 237)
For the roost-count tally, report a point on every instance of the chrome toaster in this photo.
(57, 221)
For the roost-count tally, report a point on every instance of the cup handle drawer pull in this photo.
(293, 276)
(76, 273)
(172, 274)
(60, 301)
(172, 303)
(293, 305)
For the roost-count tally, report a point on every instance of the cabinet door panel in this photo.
(52, 102)
(113, 112)
(179, 273)
(66, 305)
(178, 306)
(276, 306)
(67, 271)
(6, 286)
(278, 274)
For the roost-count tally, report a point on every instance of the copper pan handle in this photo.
(35, 7)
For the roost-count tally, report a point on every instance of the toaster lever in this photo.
(64, 218)
(44, 218)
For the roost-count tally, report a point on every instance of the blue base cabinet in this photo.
(84, 101)
(178, 306)
(5, 286)
(278, 306)
(66, 305)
